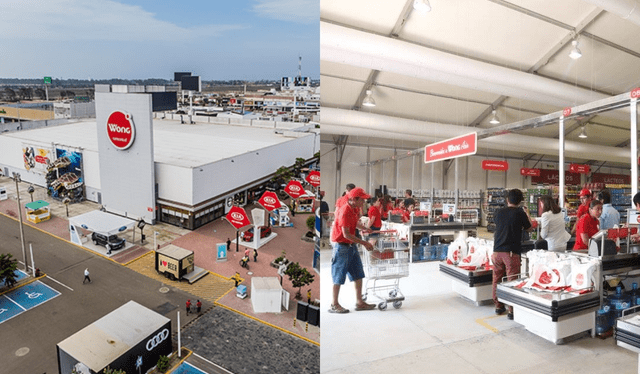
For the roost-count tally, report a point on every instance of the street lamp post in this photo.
(16, 177)
(31, 190)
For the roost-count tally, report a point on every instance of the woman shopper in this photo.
(552, 226)
(588, 226)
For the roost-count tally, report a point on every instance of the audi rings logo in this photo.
(269, 200)
(156, 340)
(237, 216)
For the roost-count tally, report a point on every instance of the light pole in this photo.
(31, 190)
(16, 177)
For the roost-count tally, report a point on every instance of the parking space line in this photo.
(63, 285)
(19, 306)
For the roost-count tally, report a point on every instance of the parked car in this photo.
(247, 236)
(111, 242)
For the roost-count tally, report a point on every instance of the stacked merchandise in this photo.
(496, 199)
(620, 199)
(531, 199)
(429, 248)
(572, 197)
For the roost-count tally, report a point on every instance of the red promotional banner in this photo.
(635, 93)
(579, 168)
(313, 178)
(530, 172)
(464, 145)
(553, 177)
(294, 189)
(269, 201)
(610, 178)
(237, 217)
(495, 165)
(566, 111)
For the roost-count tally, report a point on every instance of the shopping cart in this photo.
(386, 264)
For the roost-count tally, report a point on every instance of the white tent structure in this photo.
(100, 222)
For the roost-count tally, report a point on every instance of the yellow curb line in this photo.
(136, 259)
(482, 323)
(268, 324)
(181, 361)
(23, 284)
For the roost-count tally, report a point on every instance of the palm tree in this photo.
(8, 267)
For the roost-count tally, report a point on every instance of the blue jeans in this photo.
(345, 260)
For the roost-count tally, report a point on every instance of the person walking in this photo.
(198, 306)
(86, 276)
(255, 255)
(507, 238)
(188, 305)
(236, 278)
(228, 244)
(345, 257)
(552, 225)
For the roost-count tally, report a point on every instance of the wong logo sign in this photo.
(237, 217)
(294, 189)
(313, 178)
(120, 130)
(464, 145)
(635, 93)
(269, 201)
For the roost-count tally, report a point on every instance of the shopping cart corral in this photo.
(386, 264)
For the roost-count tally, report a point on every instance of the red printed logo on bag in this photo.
(580, 279)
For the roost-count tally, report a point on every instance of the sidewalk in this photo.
(203, 243)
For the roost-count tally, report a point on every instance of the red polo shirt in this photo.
(346, 216)
(587, 225)
(583, 209)
(343, 200)
(376, 216)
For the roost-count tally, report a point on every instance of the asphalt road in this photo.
(41, 328)
(231, 340)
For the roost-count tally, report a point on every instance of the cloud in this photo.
(298, 11)
(95, 20)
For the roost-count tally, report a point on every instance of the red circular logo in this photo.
(120, 130)
(237, 216)
(270, 200)
(635, 93)
(566, 112)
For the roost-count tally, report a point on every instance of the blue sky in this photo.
(137, 39)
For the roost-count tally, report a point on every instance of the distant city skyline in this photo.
(140, 39)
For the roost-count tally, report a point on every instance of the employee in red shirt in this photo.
(375, 219)
(588, 225)
(345, 259)
(342, 200)
(585, 200)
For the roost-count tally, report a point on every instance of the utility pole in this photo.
(16, 177)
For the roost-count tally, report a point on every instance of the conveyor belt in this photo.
(467, 277)
(620, 262)
(555, 310)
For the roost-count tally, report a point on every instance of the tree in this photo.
(8, 267)
(40, 93)
(9, 94)
(299, 277)
(108, 370)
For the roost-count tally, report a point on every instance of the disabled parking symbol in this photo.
(33, 295)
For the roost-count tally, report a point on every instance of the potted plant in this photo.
(276, 262)
(299, 277)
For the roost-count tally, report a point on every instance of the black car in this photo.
(111, 242)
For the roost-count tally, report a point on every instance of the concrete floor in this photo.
(437, 331)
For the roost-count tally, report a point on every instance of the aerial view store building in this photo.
(150, 168)
(548, 92)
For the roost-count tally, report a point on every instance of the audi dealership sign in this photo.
(157, 339)
(120, 130)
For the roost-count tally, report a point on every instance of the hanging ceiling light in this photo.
(583, 132)
(494, 118)
(422, 5)
(575, 52)
(368, 100)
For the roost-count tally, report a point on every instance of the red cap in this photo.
(358, 192)
(585, 192)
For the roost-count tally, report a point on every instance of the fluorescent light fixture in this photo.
(583, 132)
(494, 118)
(575, 52)
(422, 5)
(368, 100)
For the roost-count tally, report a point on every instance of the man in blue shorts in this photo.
(346, 258)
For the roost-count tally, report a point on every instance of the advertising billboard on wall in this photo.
(64, 176)
(36, 159)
